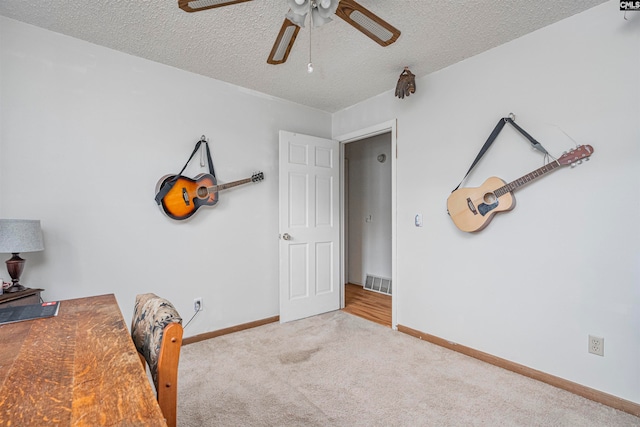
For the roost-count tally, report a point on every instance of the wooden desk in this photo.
(79, 368)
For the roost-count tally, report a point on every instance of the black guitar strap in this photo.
(169, 184)
(494, 135)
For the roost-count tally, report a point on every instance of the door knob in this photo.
(286, 236)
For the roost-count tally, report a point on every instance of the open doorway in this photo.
(368, 235)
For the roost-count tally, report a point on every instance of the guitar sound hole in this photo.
(202, 192)
(489, 198)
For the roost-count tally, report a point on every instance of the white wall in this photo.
(369, 210)
(565, 263)
(87, 132)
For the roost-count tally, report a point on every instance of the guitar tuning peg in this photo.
(587, 159)
(564, 152)
(579, 162)
(573, 165)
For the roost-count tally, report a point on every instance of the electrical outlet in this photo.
(596, 345)
(197, 304)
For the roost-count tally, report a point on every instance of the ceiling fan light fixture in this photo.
(295, 18)
(300, 7)
(320, 12)
(318, 19)
(198, 5)
(327, 8)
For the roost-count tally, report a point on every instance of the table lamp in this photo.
(16, 236)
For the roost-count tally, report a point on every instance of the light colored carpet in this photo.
(340, 370)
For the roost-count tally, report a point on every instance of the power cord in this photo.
(192, 317)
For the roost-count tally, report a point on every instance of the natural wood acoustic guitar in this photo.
(471, 209)
(188, 195)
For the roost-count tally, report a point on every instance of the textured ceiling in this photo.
(232, 43)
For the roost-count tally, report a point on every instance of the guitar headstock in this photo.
(576, 155)
(256, 177)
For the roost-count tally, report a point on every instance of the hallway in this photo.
(369, 305)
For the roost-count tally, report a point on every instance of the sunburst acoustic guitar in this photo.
(471, 209)
(188, 195)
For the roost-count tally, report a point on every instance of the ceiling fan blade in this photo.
(198, 5)
(284, 43)
(367, 22)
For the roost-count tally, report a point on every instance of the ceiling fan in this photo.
(353, 13)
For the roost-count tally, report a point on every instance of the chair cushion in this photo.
(151, 314)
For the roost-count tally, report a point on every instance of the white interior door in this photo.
(309, 226)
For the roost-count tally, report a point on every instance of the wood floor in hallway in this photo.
(370, 305)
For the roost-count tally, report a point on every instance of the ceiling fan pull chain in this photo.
(310, 64)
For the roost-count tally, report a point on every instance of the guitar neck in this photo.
(219, 187)
(527, 178)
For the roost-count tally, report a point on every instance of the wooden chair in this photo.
(156, 330)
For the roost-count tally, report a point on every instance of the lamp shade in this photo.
(20, 235)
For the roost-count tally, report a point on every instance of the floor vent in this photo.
(378, 284)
